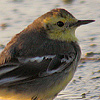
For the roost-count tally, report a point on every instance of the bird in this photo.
(41, 60)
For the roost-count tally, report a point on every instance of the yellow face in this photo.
(58, 27)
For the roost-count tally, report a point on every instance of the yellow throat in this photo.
(64, 33)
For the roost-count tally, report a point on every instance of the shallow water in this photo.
(15, 15)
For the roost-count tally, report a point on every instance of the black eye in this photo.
(60, 23)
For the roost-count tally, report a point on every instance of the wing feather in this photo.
(28, 69)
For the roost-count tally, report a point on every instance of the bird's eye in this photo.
(60, 23)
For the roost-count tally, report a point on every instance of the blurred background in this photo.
(15, 15)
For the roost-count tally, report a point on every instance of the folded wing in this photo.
(27, 69)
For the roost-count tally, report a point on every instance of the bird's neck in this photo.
(68, 36)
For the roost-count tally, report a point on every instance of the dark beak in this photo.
(81, 22)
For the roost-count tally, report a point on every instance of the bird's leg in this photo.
(34, 98)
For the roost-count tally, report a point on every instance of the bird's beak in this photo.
(81, 22)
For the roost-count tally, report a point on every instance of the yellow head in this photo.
(60, 24)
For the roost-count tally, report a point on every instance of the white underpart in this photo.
(38, 59)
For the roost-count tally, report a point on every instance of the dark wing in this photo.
(28, 69)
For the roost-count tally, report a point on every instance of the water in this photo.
(15, 15)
